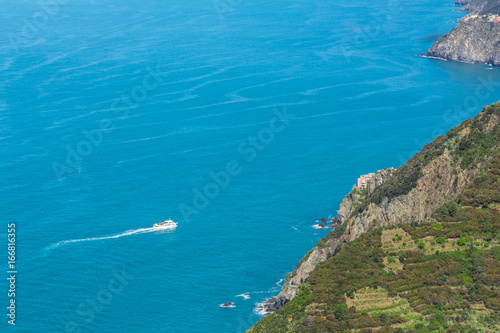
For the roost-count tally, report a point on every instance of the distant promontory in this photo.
(477, 37)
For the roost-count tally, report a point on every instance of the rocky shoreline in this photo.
(356, 217)
(476, 39)
(321, 252)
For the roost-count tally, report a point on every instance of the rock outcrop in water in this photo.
(476, 39)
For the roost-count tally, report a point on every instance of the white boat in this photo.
(167, 224)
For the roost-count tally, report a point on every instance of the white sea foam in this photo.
(260, 308)
(92, 63)
(6, 64)
(49, 61)
(146, 139)
(244, 295)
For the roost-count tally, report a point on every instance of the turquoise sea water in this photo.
(361, 101)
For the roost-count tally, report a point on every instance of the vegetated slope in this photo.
(439, 270)
(435, 175)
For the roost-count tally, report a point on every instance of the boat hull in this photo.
(165, 227)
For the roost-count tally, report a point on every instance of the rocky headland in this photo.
(476, 39)
(434, 176)
(454, 178)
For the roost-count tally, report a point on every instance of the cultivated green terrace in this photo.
(439, 272)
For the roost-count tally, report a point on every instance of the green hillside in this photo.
(441, 274)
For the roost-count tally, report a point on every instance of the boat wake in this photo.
(320, 226)
(123, 234)
(245, 296)
(260, 307)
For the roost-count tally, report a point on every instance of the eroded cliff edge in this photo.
(477, 37)
(435, 175)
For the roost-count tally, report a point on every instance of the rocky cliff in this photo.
(476, 40)
(479, 7)
(349, 204)
(435, 175)
(477, 37)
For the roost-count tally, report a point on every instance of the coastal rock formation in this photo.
(480, 7)
(461, 2)
(319, 254)
(434, 176)
(476, 39)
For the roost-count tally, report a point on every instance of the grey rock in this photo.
(477, 37)
(476, 40)
(418, 205)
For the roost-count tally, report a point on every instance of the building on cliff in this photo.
(470, 17)
(363, 180)
(493, 18)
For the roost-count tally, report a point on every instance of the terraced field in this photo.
(376, 302)
(397, 240)
(392, 264)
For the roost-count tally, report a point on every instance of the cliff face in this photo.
(320, 253)
(437, 174)
(476, 39)
(479, 7)
(482, 7)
